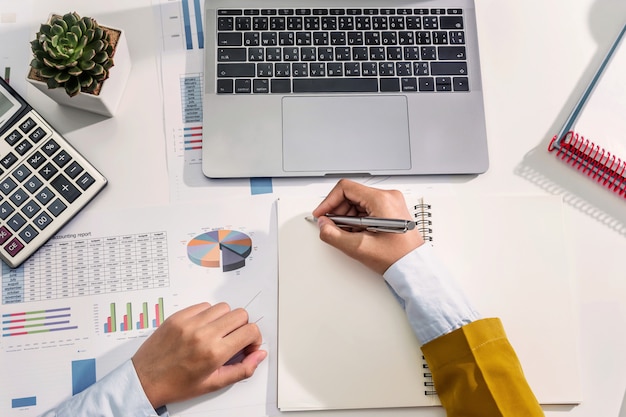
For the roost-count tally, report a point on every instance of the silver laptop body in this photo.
(295, 119)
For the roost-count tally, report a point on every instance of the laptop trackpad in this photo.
(358, 134)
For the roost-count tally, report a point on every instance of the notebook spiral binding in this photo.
(428, 379)
(422, 220)
(599, 164)
(422, 215)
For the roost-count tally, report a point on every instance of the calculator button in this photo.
(30, 209)
(21, 173)
(85, 181)
(13, 137)
(33, 184)
(7, 186)
(62, 158)
(43, 220)
(37, 135)
(36, 159)
(27, 125)
(5, 234)
(23, 147)
(48, 171)
(73, 170)
(19, 197)
(5, 211)
(8, 160)
(28, 234)
(65, 188)
(16, 222)
(14, 246)
(57, 207)
(44, 196)
(50, 147)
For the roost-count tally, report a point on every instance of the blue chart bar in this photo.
(261, 186)
(187, 23)
(198, 8)
(23, 402)
(83, 375)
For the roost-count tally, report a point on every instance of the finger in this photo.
(188, 313)
(238, 344)
(344, 191)
(210, 314)
(227, 323)
(348, 242)
(244, 337)
(230, 374)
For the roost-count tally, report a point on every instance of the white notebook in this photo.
(344, 342)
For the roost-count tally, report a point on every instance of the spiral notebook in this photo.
(593, 139)
(344, 341)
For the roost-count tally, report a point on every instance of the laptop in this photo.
(324, 87)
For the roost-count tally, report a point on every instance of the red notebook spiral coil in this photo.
(593, 160)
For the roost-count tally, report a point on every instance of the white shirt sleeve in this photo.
(119, 393)
(433, 301)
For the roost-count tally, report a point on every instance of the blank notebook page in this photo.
(344, 341)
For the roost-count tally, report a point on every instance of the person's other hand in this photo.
(186, 356)
(376, 250)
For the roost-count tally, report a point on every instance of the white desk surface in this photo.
(536, 57)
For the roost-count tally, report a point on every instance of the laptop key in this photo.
(409, 84)
(451, 52)
(225, 86)
(261, 86)
(231, 54)
(451, 22)
(389, 84)
(448, 68)
(335, 85)
(443, 83)
(281, 86)
(460, 83)
(230, 39)
(243, 86)
(235, 70)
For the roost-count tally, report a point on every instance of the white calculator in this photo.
(44, 181)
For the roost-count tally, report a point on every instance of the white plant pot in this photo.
(107, 102)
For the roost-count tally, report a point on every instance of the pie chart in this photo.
(220, 248)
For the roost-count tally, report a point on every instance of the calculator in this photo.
(44, 181)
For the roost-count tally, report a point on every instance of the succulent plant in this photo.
(72, 52)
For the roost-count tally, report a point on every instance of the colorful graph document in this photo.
(86, 301)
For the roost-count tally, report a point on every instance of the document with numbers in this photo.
(84, 303)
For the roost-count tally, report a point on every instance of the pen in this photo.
(371, 224)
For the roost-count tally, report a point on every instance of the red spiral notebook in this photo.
(593, 139)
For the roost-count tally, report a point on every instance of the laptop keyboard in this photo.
(334, 50)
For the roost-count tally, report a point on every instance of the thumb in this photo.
(337, 237)
(230, 374)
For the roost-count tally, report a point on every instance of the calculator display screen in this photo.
(8, 105)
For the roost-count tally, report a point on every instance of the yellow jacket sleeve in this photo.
(477, 373)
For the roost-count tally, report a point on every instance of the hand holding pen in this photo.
(377, 251)
(370, 224)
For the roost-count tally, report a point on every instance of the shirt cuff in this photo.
(432, 299)
(119, 393)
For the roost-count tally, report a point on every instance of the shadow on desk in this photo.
(545, 170)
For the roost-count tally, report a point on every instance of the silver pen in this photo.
(371, 224)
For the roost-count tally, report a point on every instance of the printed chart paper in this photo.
(84, 303)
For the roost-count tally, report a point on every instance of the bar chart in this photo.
(39, 321)
(127, 318)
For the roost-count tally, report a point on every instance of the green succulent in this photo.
(72, 52)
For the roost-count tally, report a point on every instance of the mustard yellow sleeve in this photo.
(477, 373)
